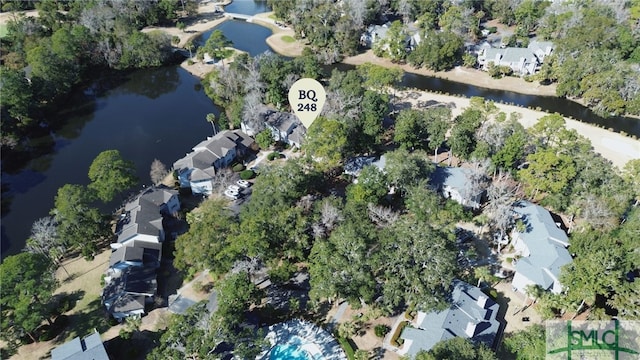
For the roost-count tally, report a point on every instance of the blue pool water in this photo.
(287, 352)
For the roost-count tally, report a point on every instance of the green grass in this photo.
(3, 30)
(348, 349)
(288, 39)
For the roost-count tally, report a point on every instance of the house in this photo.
(457, 184)
(88, 348)
(542, 246)
(354, 165)
(136, 253)
(143, 217)
(523, 61)
(127, 291)
(285, 127)
(197, 169)
(373, 34)
(471, 315)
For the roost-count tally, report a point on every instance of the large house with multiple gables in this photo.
(198, 168)
(471, 314)
(523, 61)
(542, 247)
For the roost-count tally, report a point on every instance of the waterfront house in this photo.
(471, 315)
(89, 347)
(198, 168)
(142, 219)
(457, 184)
(542, 247)
(523, 61)
(373, 34)
(136, 253)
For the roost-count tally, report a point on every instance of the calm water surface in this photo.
(160, 113)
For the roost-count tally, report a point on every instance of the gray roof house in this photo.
(543, 247)
(126, 292)
(285, 127)
(353, 166)
(88, 348)
(197, 168)
(142, 217)
(374, 33)
(471, 315)
(523, 61)
(455, 183)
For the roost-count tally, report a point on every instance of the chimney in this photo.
(482, 301)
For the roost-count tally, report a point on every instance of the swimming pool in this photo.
(287, 352)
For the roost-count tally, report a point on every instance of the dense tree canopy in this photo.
(27, 286)
(110, 175)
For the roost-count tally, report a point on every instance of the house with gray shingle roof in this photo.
(197, 169)
(543, 247)
(136, 253)
(127, 292)
(471, 315)
(523, 61)
(455, 183)
(88, 348)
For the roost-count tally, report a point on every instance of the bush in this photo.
(381, 330)
(238, 167)
(274, 155)
(492, 29)
(348, 349)
(247, 174)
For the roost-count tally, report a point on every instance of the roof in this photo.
(126, 290)
(510, 54)
(471, 315)
(144, 252)
(455, 178)
(546, 244)
(142, 215)
(354, 165)
(89, 348)
(207, 152)
(283, 121)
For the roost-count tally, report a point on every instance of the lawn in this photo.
(3, 30)
(288, 39)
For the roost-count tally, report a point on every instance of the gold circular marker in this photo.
(307, 97)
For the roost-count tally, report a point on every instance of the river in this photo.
(160, 113)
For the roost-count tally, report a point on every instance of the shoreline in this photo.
(613, 146)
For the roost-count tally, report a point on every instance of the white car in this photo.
(235, 188)
(243, 183)
(231, 195)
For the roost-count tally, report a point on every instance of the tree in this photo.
(325, 143)
(264, 139)
(158, 171)
(205, 245)
(438, 51)
(457, 348)
(547, 172)
(27, 288)
(79, 224)
(211, 119)
(462, 139)
(370, 188)
(393, 45)
(216, 46)
(110, 174)
(410, 247)
(406, 169)
(44, 240)
(378, 77)
(236, 293)
(528, 344)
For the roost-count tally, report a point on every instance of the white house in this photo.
(284, 127)
(542, 246)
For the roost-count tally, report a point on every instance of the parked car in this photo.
(243, 183)
(231, 194)
(234, 188)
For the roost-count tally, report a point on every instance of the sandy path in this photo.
(612, 146)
